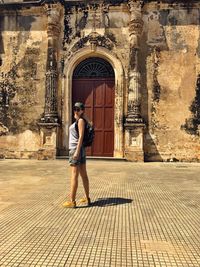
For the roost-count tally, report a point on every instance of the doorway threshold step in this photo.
(105, 158)
(95, 158)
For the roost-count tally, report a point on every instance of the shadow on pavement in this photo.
(111, 201)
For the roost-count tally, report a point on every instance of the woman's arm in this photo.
(81, 129)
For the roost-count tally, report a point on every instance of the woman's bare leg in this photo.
(84, 176)
(74, 182)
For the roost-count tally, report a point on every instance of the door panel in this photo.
(108, 120)
(83, 92)
(108, 142)
(98, 97)
(109, 96)
(98, 148)
(98, 118)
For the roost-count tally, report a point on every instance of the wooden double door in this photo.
(98, 96)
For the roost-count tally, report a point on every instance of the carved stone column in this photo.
(49, 123)
(134, 123)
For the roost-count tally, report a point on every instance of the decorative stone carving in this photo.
(49, 122)
(90, 17)
(3, 129)
(97, 17)
(7, 92)
(67, 27)
(134, 97)
(93, 40)
(136, 23)
(96, 39)
(51, 87)
(53, 12)
(134, 123)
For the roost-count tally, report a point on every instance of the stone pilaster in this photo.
(49, 123)
(53, 12)
(134, 123)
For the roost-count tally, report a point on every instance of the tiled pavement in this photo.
(143, 215)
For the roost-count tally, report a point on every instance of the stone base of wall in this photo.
(135, 156)
(44, 154)
(41, 154)
(169, 158)
(18, 155)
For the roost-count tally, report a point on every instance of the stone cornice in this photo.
(166, 3)
(20, 4)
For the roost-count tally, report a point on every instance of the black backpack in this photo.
(88, 133)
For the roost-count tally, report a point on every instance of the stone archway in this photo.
(69, 67)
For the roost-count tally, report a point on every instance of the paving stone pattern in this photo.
(143, 215)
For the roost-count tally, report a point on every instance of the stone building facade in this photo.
(135, 64)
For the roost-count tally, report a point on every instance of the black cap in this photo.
(79, 105)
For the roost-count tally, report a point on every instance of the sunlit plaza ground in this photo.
(142, 214)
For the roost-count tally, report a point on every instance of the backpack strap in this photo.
(76, 124)
(76, 127)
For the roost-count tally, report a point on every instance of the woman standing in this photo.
(77, 156)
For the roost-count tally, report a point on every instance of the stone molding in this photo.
(69, 67)
(93, 40)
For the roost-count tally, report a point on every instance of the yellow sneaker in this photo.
(69, 204)
(85, 201)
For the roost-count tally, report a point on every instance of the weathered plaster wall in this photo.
(22, 81)
(169, 60)
(170, 68)
(111, 22)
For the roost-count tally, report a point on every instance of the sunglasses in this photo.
(76, 109)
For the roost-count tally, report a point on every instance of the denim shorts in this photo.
(80, 160)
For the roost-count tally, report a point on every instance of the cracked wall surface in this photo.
(171, 38)
(22, 77)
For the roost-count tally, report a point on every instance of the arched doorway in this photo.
(94, 85)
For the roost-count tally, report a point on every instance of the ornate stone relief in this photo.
(53, 12)
(136, 23)
(68, 11)
(7, 92)
(135, 29)
(98, 40)
(51, 86)
(90, 18)
(3, 129)
(50, 121)
(93, 40)
(53, 19)
(134, 123)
